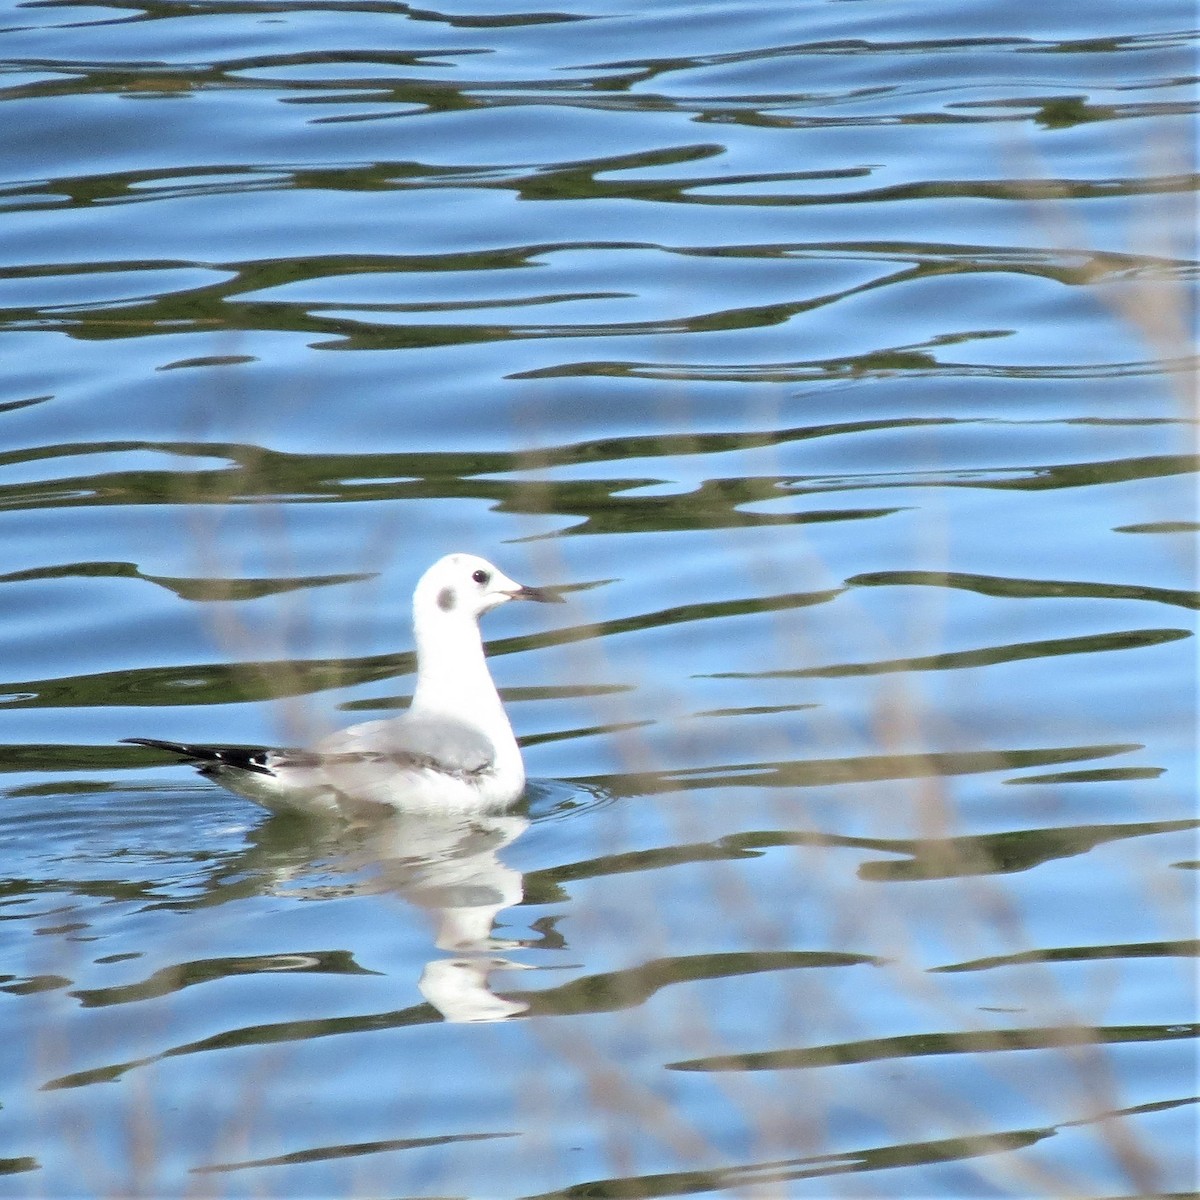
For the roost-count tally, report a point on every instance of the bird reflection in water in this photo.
(450, 866)
(446, 864)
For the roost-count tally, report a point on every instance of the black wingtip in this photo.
(196, 752)
(242, 758)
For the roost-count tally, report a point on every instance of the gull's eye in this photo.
(480, 577)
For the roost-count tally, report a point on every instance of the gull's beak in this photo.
(542, 595)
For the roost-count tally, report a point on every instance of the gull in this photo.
(453, 748)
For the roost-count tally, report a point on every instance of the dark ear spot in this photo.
(446, 599)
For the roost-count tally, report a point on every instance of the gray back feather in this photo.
(438, 742)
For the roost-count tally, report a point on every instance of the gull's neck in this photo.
(452, 675)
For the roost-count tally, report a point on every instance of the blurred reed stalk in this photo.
(1154, 301)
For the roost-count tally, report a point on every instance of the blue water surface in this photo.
(835, 359)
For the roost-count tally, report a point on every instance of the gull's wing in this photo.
(431, 742)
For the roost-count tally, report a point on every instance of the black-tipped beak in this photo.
(541, 595)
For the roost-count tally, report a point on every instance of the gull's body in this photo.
(453, 749)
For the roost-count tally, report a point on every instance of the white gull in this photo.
(453, 749)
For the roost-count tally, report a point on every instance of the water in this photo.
(832, 355)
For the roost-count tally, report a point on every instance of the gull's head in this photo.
(466, 585)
